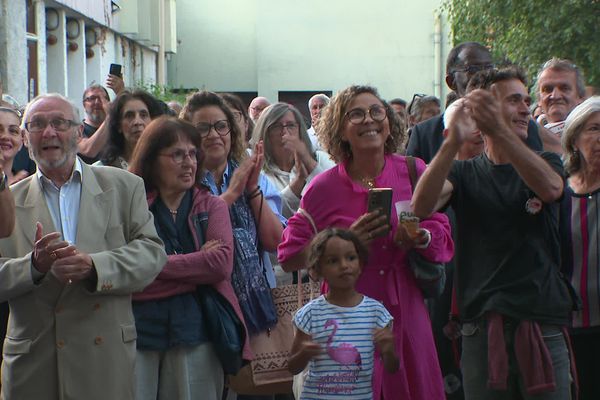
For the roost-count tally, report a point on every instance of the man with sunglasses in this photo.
(464, 61)
(83, 242)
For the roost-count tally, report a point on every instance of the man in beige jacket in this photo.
(83, 242)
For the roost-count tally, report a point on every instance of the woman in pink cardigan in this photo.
(175, 356)
(361, 133)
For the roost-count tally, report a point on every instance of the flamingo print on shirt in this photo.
(346, 353)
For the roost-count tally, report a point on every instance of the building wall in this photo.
(67, 66)
(273, 45)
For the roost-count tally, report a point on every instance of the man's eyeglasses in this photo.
(221, 127)
(278, 128)
(92, 99)
(472, 69)
(358, 115)
(179, 155)
(58, 124)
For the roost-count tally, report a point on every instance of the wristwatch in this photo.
(3, 182)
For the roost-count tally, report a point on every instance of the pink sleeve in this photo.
(296, 236)
(441, 248)
(206, 267)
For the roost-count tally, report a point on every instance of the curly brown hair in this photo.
(330, 125)
(198, 100)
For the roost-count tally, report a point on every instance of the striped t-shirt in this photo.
(344, 368)
(580, 241)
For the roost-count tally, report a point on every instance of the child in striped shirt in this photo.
(337, 333)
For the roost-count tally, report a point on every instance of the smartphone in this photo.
(115, 69)
(381, 199)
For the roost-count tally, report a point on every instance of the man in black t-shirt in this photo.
(95, 124)
(511, 297)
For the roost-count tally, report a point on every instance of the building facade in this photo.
(65, 46)
(286, 49)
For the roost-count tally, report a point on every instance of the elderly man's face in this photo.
(316, 107)
(49, 147)
(558, 93)
(94, 102)
(257, 106)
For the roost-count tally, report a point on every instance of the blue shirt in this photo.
(63, 202)
(271, 195)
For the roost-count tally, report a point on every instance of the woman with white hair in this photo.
(580, 231)
(290, 161)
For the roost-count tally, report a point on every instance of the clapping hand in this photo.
(297, 184)
(47, 249)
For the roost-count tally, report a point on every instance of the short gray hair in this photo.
(562, 64)
(75, 110)
(573, 127)
(318, 96)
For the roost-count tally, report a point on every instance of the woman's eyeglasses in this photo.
(358, 115)
(278, 128)
(179, 155)
(221, 127)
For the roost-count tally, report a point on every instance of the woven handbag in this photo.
(268, 372)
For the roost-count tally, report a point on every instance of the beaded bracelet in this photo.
(255, 193)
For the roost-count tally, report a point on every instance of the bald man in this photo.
(257, 106)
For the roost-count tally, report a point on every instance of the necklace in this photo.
(370, 182)
(173, 212)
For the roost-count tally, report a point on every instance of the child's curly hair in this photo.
(319, 242)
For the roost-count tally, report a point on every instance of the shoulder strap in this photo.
(412, 171)
(309, 218)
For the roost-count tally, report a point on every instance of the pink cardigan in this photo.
(333, 199)
(183, 272)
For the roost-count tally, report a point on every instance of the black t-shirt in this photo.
(88, 131)
(507, 258)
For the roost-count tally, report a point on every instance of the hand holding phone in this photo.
(116, 70)
(381, 199)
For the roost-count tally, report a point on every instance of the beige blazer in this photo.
(78, 341)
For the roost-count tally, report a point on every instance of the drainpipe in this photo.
(161, 44)
(437, 56)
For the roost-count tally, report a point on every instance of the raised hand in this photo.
(258, 158)
(238, 182)
(116, 83)
(460, 122)
(47, 249)
(487, 112)
(297, 184)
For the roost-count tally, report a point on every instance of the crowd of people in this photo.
(137, 212)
